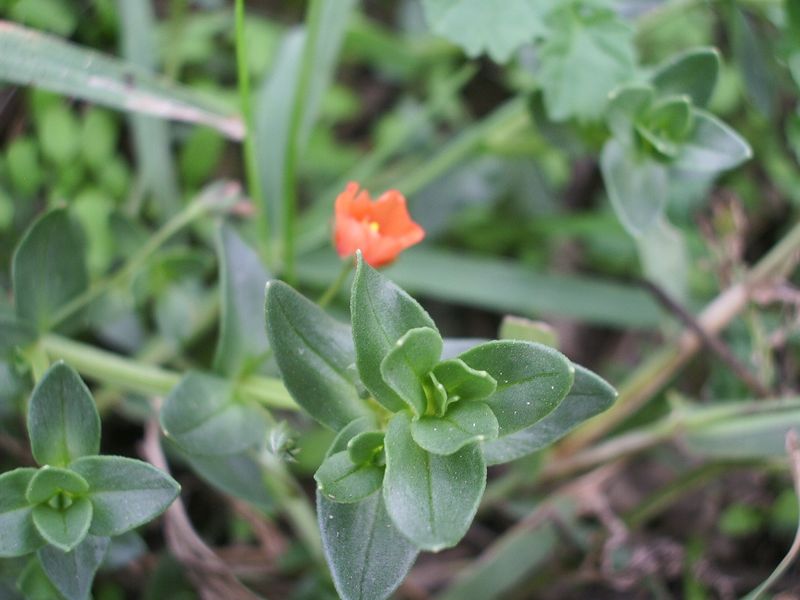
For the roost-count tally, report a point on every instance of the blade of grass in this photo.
(28, 57)
(151, 138)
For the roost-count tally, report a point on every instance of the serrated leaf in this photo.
(363, 447)
(49, 481)
(590, 395)
(72, 573)
(637, 186)
(532, 379)
(712, 147)
(693, 72)
(124, 492)
(405, 366)
(342, 480)
(48, 269)
(464, 423)
(431, 499)
(463, 382)
(242, 343)
(63, 423)
(63, 528)
(367, 555)
(478, 26)
(382, 313)
(314, 353)
(585, 57)
(18, 535)
(203, 416)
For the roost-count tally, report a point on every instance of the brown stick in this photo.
(212, 578)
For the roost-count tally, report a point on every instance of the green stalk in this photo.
(333, 288)
(250, 153)
(122, 372)
(314, 24)
(214, 198)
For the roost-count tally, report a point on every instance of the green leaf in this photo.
(463, 382)
(25, 171)
(63, 527)
(438, 395)
(28, 57)
(626, 105)
(202, 415)
(48, 269)
(531, 380)
(587, 54)
(242, 343)
(463, 424)
(99, 137)
(364, 447)
(519, 328)
(18, 535)
(34, 583)
(405, 366)
(238, 475)
(667, 124)
(712, 147)
(314, 353)
(589, 396)
(59, 135)
(50, 481)
(342, 480)
(63, 423)
(13, 334)
(693, 72)
(72, 573)
(367, 555)
(382, 313)
(125, 492)
(637, 186)
(431, 499)
(477, 26)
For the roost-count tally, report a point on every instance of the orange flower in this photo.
(380, 229)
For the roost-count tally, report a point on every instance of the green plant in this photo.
(415, 431)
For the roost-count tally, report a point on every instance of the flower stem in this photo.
(333, 288)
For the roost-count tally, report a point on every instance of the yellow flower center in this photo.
(374, 226)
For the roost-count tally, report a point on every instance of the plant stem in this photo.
(250, 152)
(648, 379)
(215, 197)
(119, 371)
(333, 288)
(314, 23)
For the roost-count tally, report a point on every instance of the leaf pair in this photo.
(67, 509)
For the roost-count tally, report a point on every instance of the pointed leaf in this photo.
(314, 353)
(382, 313)
(18, 535)
(531, 380)
(125, 492)
(590, 395)
(367, 555)
(463, 382)
(63, 528)
(203, 416)
(465, 423)
(431, 499)
(405, 366)
(72, 573)
(50, 481)
(48, 269)
(626, 105)
(63, 423)
(693, 73)
(242, 344)
(342, 480)
(638, 187)
(712, 147)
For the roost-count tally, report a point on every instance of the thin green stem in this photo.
(120, 371)
(314, 24)
(250, 152)
(333, 288)
(212, 199)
